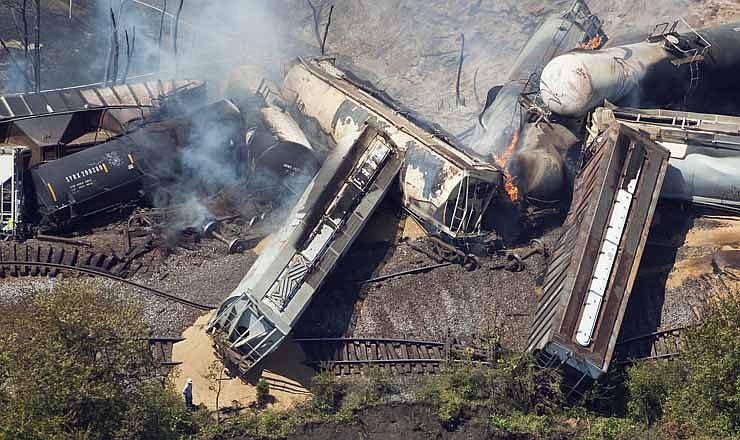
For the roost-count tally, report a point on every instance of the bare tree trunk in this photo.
(130, 46)
(38, 46)
(16, 64)
(26, 57)
(218, 393)
(326, 30)
(115, 49)
(177, 29)
(316, 12)
(161, 34)
(458, 99)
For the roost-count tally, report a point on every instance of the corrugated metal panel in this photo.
(614, 198)
(82, 98)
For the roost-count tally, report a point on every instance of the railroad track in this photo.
(51, 261)
(347, 356)
(655, 345)
(30, 263)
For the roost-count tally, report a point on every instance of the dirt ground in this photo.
(198, 357)
(410, 49)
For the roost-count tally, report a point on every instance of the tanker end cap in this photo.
(566, 87)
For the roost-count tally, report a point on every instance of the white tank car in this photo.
(667, 68)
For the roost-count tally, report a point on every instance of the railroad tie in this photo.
(37, 259)
(408, 367)
(49, 254)
(58, 259)
(14, 268)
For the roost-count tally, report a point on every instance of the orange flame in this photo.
(593, 44)
(504, 157)
(501, 160)
(511, 188)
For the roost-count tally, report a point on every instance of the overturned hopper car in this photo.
(446, 189)
(57, 123)
(592, 268)
(262, 310)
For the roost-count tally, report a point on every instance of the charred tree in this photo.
(37, 70)
(130, 46)
(316, 13)
(16, 64)
(176, 30)
(26, 56)
(111, 69)
(161, 34)
(326, 30)
(458, 99)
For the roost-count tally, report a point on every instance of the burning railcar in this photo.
(515, 132)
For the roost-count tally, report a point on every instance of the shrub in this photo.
(327, 393)
(707, 402)
(609, 428)
(511, 385)
(649, 384)
(75, 364)
(519, 423)
(263, 393)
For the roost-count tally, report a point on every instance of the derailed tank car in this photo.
(446, 189)
(99, 178)
(705, 152)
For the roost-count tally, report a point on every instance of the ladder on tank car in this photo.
(689, 47)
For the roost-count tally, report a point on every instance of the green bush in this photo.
(265, 424)
(512, 384)
(263, 393)
(609, 428)
(707, 401)
(649, 385)
(519, 423)
(75, 364)
(327, 393)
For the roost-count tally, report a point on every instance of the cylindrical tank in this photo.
(653, 72)
(506, 138)
(577, 82)
(93, 180)
(288, 158)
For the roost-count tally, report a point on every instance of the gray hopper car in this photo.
(253, 321)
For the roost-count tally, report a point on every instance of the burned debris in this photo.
(301, 167)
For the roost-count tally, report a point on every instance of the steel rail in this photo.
(403, 273)
(103, 274)
(344, 356)
(655, 334)
(654, 339)
(373, 340)
(380, 361)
